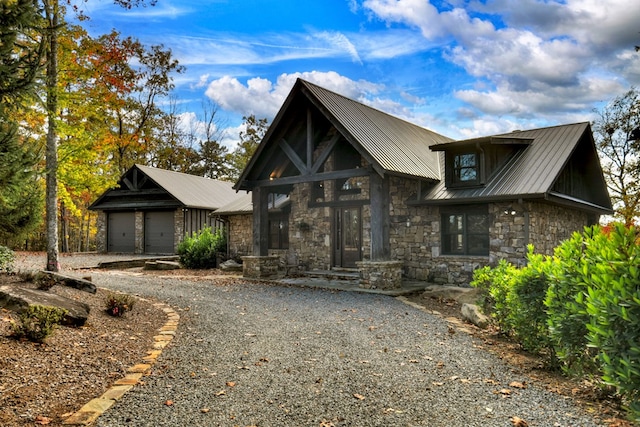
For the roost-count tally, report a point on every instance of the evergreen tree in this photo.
(20, 64)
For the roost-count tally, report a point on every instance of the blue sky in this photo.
(461, 68)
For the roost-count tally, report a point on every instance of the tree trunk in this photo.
(51, 12)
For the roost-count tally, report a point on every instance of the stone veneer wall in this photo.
(240, 235)
(415, 235)
(178, 228)
(101, 235)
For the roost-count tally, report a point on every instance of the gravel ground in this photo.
(251, 354)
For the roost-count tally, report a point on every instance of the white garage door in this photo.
(121, 232)
(158, 232)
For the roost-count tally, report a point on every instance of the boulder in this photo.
(471, 313)
(72, 282)
(17, 298)
(231, 265)
(457, 293)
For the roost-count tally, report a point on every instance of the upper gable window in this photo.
(465, 168)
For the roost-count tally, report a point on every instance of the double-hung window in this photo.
(465, 231)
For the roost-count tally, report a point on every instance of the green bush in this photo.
(527, 312)
(118, 304)
(495, 284)
(38, 322)
(565, 302)
(514, 298)
(613, 304)
(200, 249)
(7, 258)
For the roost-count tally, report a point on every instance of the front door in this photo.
(347, 246)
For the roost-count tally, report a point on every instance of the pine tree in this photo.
(20, 64)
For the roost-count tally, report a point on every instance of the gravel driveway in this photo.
(261, 355)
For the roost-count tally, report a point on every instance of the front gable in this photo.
(135, 190)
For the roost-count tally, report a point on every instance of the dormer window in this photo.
(465, 168)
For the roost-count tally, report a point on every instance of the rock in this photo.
(457, 293)
(72, 282)
(231, 265)
(17, 298)
(471, 313)
(162, 265)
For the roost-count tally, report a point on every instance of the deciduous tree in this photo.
(615, 132)
(250, 138)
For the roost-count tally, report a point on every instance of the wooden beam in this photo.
(260, 199)
(325, 153)
(299, 179)
(309, 139)
(293, 156)
(379, 193)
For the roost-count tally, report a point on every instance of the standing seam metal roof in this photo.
(532, 171)
(395, 144)
(193, 191)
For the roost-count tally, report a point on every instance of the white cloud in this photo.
(264, 98)
(538, 58)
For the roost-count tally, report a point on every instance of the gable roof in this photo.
(186, 190)
(391, 145)
(534, 170)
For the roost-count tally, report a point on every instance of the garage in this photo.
(159, 232)
(121, 232)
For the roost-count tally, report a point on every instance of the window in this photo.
(278, 233)
(465, 169)
(465, 232)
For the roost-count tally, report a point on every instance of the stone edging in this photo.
(90, 412)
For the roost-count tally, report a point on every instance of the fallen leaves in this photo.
(358, 396)
(42, 420)
(168, 403)
(519, 422)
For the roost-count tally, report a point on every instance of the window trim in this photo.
(464, 212)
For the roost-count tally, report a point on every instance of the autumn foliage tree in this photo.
(615, 131)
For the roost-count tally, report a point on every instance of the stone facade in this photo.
(101, 235)
(415, 233)
(260, 267)
(380, 274)
(240, 235)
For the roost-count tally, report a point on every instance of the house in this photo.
(151, 210)
(371, 192)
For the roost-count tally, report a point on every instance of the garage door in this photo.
(121, 232)
(158, 232)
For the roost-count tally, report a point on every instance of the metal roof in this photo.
(191, 190)
(244, 205)
(391, 144)
(532, 172)
(396, 145)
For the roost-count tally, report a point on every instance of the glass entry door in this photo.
(347, 239)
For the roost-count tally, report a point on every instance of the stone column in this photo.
(260, 267)
(380, 274)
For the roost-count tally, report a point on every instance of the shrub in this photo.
(495, 284)
(118, 304)
(37, 322)
(613, 304)
(7, 258)
(566, 308)
(525, 299)
(200, 249)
